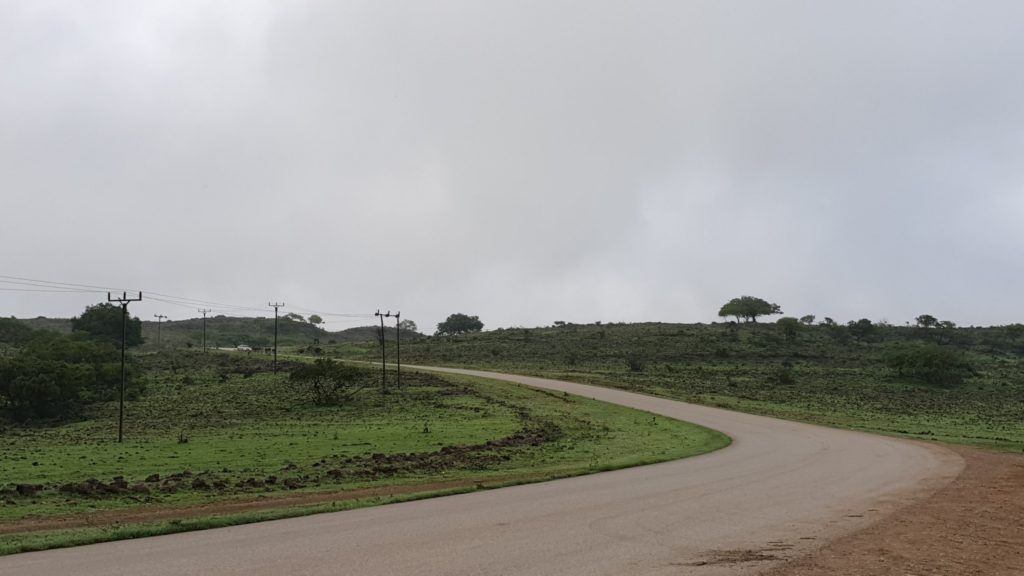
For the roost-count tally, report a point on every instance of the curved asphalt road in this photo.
(781, 489)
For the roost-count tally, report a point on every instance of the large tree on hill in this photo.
(459, 324)
(748, 308)
(103, 321)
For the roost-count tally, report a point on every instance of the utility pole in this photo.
(383, 358)
(123, 301)
(398, 344)
(158, 317)
(204, 311)
(275, 306)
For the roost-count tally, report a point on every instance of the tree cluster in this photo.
(53, 376)
(104, 321)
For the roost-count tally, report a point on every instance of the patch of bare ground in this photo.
(973, 526)
(168, 513)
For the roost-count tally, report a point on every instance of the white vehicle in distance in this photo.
(243, 348)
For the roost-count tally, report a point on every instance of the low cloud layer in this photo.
(523, 161)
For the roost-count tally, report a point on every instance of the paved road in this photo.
(779, 490)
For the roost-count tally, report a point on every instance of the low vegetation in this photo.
(222, 428)
(935, 380)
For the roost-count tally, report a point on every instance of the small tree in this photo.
(790, 327)
(408, 326)
(748, 308)
(104, 322)
(459, 324)
(807, 320)
(328, 382)
(315, 319)
(862, 330)
(926, 321)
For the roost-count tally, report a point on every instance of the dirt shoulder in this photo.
(237, 506)
(973, 526)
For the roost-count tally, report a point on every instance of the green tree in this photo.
(790, 327)
(293, 317)
(54, 375)
(103, 321)
(459, 324)
(315, 319)
(926, 321)
(407, 326)
(748, 308)
(862, 330)
(12, 331)
(328, 382)
(807, 320)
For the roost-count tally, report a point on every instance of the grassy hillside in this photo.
(835, 375)
(228, 332)
(222, 428)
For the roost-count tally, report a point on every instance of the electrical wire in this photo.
(50, 286)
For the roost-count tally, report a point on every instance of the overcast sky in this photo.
(522, 161)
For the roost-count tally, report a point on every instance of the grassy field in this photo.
(823, 374)
(221, 428)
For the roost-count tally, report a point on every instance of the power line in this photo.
(52, 291)
(52, 286)
(71, 284)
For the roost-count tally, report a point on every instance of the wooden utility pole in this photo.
(275, 306)
(123, 301)
(158, 317)
(383, 356)
(398, 344)
(204, 311)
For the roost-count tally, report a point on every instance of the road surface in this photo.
(781, 489)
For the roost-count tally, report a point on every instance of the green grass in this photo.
(836, 379)
(212, 429)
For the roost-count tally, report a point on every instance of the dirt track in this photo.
(782, 490)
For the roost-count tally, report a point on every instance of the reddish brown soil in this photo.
(973, 526)
(269, 502)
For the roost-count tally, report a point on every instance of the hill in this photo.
(230, 331)
(958, 384)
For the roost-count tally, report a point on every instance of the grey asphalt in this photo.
(781, 489)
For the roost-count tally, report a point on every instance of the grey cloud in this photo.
(524, 161)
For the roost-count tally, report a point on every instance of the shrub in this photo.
(930, 364)
(783, 374)
(328, 382)
(635, 362)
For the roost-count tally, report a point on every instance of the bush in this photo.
(635, 362)
(328, 382)
(927, 363)
(783, 374)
